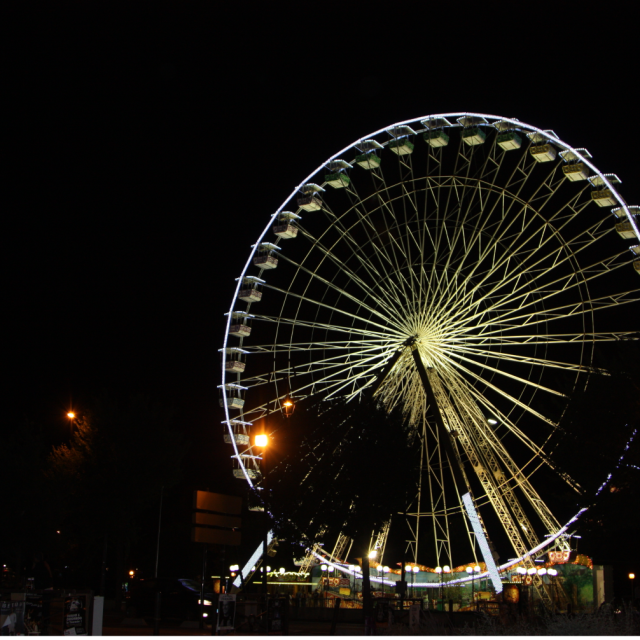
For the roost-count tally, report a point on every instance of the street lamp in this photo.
(414, 571)
(289, 407)
(632, 577)
(262, 440)
(473, 585)
(438, 570)
(380, 569)
(72, 416)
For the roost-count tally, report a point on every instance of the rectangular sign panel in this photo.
(215, 536)
(208, 501)
(214, 520)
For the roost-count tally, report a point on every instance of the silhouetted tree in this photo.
(351, 468)
(104, 483)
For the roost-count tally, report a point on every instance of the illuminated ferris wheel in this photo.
(460, 267)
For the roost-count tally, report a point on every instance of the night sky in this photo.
(148, 143)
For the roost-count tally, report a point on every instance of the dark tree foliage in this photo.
(595, 431)
(351, 467)
(23, 505)
(106, 482)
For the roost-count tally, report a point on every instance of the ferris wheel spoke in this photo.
(525, 248)
(501, 392)
(400, 246)
(382, 296)
(318, 345)
(529, 360)
(454, 356)
(343, 312)
(553, 338)
(500, 295)
(515, 471)
(310, 324)
(358, 252)
(574, 309)
(493, 410)
(378, 248)
(316, 277)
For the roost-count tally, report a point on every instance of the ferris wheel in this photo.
(460, 268)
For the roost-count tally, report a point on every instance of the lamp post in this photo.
(380, 569)
(476, 569)
(414, 572)
(473, 587)
(632, 577)
(330, 570)
(445, 569)
(439, 572)
(323, 569)
(288, 407)
(72, 416)
(262, 441)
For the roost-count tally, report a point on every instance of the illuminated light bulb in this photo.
(532, 571)
(261, 440)
(469, 569)
(438, 569)
(446, 568)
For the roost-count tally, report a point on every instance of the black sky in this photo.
(147, 144)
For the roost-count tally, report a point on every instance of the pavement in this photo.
(114, 625)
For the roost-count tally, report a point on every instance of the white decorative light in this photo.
(532, 571)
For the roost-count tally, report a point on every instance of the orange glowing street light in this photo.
(71, 415)
(289, 407)
(262, 440)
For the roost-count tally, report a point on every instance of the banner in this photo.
(226, 612)
(75, 616)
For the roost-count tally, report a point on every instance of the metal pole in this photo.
(159, 525)
(366, 597)
(265, 533)
(204, 570)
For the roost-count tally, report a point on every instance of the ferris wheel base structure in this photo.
(476, 261)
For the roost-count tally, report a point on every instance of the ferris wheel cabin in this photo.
(286, 228)
(249, 291)
(264, 257)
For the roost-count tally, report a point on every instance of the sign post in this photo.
(216, 521)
